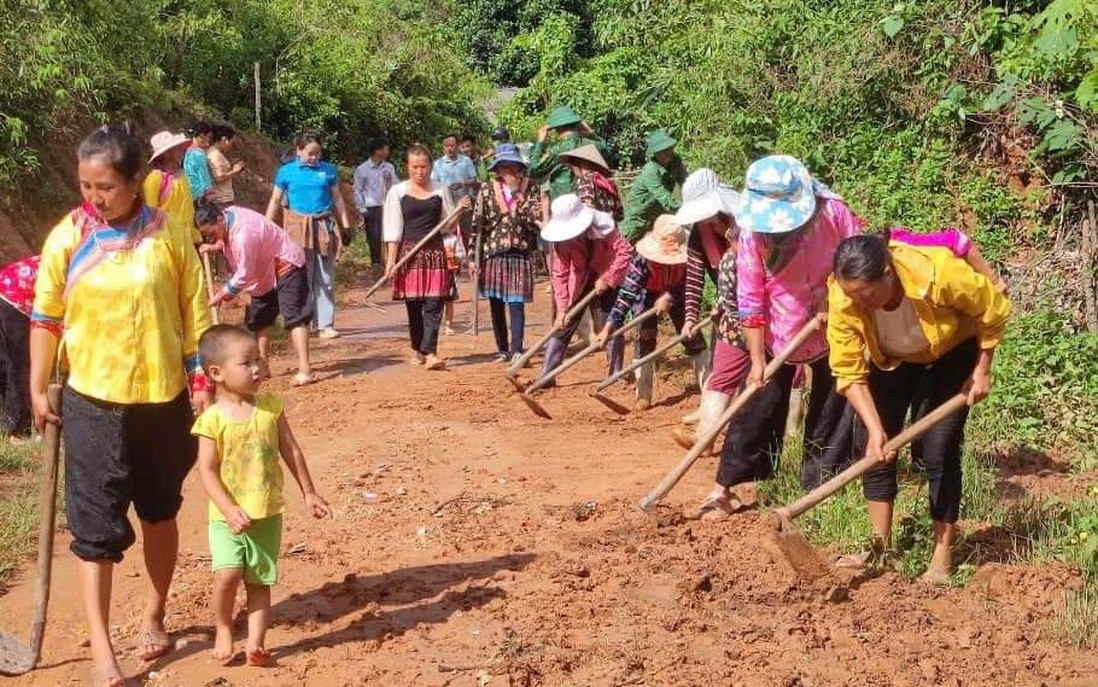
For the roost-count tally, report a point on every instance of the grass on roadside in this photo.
(18, 507)
(1031, 531)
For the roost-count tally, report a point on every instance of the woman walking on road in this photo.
(505, 220)
(909, 327)
(412, 209)
(121, 286)
(313, 204)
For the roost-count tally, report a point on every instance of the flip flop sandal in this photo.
(717, 508)
(852, 561)
(939, 578)
(439, 364)
(303, 379)
(259, 658)
(153, 638)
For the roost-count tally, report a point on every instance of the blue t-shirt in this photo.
(197, 171)
(308, 189)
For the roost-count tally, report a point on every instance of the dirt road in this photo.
(476, 544)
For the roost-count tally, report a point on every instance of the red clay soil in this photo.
(477, 544)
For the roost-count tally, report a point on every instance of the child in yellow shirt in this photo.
(240, 439)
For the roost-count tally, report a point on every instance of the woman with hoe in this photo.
(505, 221)
(413, 208)
(790, 226)
(909, 327)
(120, 285)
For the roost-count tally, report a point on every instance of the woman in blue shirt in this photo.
(309, 189)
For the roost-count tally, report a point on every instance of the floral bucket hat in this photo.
(779, 196)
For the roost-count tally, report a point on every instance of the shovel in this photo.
(207, 275)
(446, 221)
(17, 658)
(702, 443)
(513, 369)
(789, 540)
(591, 348)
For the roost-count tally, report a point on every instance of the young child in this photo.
(453, 246)
(240, 439)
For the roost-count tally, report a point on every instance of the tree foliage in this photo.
(350, 68)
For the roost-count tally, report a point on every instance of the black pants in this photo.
(756, 433)
(372, 220)
(649, 329)
(15, 411)
(116, 455)
(499, 311)
(424, 321)
(920, 389)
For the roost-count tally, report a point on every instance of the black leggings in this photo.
(920, 389)
(15, 411)
(424, 321)
(756, 433)
(499, 311)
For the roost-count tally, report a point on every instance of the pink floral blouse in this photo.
(783, 284)
(17, 284)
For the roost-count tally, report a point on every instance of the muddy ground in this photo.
(477, 544)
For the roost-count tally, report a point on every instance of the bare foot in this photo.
(936, 576)
(433, 362)
(417, 358)
(223, 646)
(107, 675)
(259, 657)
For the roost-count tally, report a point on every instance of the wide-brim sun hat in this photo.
(570, 218)
(779, 196)
(588, 153)
(163, 141)
(659, 141)
(666, 243)
(563, 115)
(507, 153)
(704, 197)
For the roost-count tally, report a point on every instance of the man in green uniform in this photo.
(571, 133)
(651, 194)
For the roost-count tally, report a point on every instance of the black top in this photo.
(420, 216)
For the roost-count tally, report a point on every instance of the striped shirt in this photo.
(646, 278)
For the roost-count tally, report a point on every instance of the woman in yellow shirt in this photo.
(909, 327)
(166, 186)
(120, 287)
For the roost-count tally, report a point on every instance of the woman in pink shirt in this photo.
(270, 266)
(790, 227)
(588, 253)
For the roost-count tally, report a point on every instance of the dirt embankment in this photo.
(28, 213)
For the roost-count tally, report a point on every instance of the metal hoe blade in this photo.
(15, 657)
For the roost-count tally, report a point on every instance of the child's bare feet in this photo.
(223, 646)
(259, 657)
(107, 676)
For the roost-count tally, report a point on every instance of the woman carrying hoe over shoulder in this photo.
(412, 209)
(909, 327)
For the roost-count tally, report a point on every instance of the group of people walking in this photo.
(901, 322)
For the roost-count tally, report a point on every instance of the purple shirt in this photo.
(786, 295)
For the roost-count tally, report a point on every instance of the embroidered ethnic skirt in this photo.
(508, 277)
(425, 275)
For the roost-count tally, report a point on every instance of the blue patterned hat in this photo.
(507, 152)
(779, 196)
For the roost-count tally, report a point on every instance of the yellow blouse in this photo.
(247, 456)
(952, 301)
(175, 199)
(129, 306)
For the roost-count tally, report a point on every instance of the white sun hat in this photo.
(704, 197)
(570, 218)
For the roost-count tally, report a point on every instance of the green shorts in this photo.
(255, 550)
